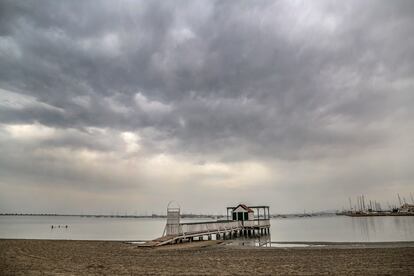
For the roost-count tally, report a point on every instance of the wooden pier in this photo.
(244, 223)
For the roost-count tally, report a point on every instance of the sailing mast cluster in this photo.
(367, 207)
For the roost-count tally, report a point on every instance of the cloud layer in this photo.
(112, 106)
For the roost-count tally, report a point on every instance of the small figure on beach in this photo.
(66, 226)
(52, 227)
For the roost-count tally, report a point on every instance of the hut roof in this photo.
(249, 210)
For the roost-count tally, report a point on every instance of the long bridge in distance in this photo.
(241, 221)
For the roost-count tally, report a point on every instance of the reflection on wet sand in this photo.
(259, 241)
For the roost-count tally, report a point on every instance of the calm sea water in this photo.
(331, 229)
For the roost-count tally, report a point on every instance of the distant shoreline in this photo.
(87, 215)
(277, 216)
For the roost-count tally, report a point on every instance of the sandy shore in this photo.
(47, 257)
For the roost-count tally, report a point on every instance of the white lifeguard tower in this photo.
(172, 227)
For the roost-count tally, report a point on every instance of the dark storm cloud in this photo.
(215, 80)
(273, 79)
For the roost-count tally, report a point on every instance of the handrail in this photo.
(218, 226)
(205, 222)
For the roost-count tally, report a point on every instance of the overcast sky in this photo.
(122, 106)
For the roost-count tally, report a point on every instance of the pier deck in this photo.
(218, 229)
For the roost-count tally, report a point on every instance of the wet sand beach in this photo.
(51, 257)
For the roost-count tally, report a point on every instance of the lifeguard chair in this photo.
(172, 228)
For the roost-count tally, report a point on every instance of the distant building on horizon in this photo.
(406, 208)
